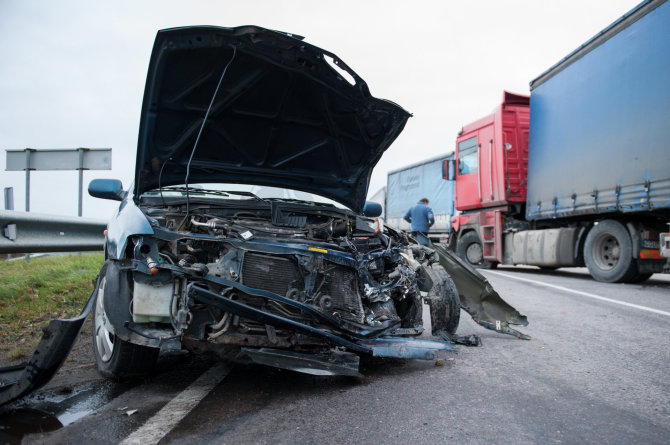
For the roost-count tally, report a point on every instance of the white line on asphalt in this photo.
(176, 409)
(585, 294)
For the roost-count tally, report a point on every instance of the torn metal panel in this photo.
(57, 340)
(332, 363)
(478, 297)
(413, 348)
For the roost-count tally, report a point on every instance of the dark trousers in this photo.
(421, 238)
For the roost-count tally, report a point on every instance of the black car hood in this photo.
(282, 115)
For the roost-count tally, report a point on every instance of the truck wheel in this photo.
(470, 249)
(117, 358)
(608, 253)
(446, 314)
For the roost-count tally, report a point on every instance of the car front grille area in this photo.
(278, 274)
(271, 273)
(343, 289)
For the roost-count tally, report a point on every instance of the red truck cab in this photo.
(491, 163)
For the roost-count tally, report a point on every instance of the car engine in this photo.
(348, 269)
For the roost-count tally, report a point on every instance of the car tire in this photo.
(448, 314)
(114, 357)
(608, 253)
(470, 249)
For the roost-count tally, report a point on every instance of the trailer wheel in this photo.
(608, 253)
(470, 249)
(117, 358)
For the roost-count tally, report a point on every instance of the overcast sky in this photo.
(72, 73)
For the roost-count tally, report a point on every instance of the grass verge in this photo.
(33, 293)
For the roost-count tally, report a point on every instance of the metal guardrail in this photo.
(22, 232)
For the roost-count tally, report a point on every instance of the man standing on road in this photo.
(422, 218)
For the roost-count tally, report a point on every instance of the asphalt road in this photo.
(595, 371)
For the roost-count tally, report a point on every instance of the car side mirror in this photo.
(372, 209)
(106, 189)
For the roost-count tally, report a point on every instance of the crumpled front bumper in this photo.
(372, 342)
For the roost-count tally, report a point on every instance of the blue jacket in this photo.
(421, 217)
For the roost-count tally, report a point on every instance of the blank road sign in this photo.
(60, 159)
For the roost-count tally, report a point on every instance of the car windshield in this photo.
(242, 192)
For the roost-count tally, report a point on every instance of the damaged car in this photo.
(246, 232)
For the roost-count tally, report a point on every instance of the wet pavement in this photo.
(50, 411)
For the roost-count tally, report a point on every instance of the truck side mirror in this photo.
(448, 169)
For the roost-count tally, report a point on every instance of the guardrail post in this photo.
(28, 152)
(81, 178)
(9, 204)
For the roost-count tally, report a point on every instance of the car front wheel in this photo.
(445, 312)
(116, 358)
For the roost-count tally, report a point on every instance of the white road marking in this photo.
(176, 409)
(584, 294)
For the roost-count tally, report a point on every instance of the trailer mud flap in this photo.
(57, 341)
(478, 298)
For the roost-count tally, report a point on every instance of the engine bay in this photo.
(361, 276)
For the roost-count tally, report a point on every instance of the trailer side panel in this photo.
(599, 131)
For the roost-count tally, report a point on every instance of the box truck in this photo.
(424, 179)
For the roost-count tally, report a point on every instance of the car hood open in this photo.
(283, 115)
